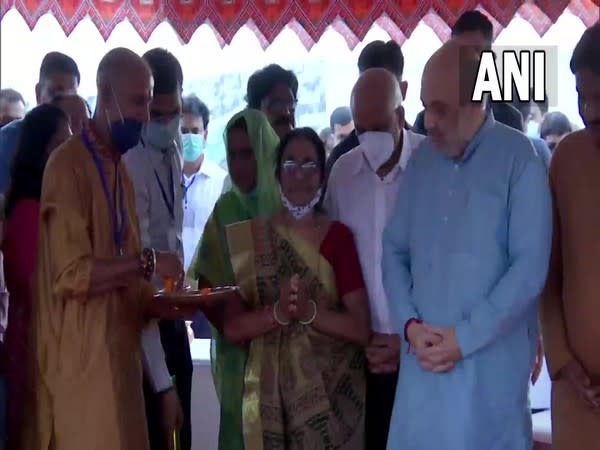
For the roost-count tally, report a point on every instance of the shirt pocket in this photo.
(483, 223)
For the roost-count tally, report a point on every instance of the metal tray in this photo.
(190, 297)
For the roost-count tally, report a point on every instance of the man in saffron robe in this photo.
(465, 257)
(90, 284)
(570, 308)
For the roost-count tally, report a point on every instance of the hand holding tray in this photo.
(189, 298)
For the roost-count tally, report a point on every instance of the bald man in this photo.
(465, 256)
(91, 280)
(361, 193)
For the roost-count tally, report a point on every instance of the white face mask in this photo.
(533, 129)
(298, 212)
(377, 147)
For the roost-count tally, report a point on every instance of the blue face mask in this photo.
(125, 133)
(161, 135)
(192, 147)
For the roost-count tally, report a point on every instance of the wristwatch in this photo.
(148, 263)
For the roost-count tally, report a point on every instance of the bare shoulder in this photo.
(574, 151)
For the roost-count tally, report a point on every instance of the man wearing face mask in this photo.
(376, 55)
(361, 193)
(202, 179)
(58, 75)
(202, 183)
(92, 281)
(154, 166)
(532, 112)
(465, 257)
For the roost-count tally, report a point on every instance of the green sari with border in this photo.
(302, 389)
(212, 262)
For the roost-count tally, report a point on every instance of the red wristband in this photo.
(408, 323)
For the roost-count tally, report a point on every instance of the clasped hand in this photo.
(436, 348)
(576, 375)
(383, 353)
(293, 304)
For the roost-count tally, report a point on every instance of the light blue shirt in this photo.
(468, 247)
(542, 150)
(9, 137)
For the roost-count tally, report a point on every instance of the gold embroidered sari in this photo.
(302, 389)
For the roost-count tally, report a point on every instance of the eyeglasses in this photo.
(307, 169)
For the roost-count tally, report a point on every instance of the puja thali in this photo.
(191, 297)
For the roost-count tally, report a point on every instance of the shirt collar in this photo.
(487, 125)
(204, 170)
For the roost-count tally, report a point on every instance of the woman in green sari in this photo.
(250, 143)
(302, 315)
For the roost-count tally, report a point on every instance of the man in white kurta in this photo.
(361, 193)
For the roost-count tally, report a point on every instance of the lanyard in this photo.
(169, 204)
(186, 187)
(118, 225)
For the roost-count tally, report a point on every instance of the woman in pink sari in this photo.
(44, 129)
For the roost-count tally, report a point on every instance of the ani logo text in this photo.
(525, 70)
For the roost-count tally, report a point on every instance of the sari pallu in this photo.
(302, 389)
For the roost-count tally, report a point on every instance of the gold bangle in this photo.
(277, 319)
(314, 316)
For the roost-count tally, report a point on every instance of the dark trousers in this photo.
(381, 393)
(174, 338)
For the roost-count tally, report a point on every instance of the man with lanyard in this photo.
(202, 180)
(202, 183)
(91, 282)
(154, 166)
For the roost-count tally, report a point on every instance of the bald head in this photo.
(451, 72)
(118, 64)
(125, 84)
(377, 102)
(379, 87)
(446, 89)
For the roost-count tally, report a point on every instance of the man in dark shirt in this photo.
(58, 75)
(376, 55)
(12, 106)
(274, 91)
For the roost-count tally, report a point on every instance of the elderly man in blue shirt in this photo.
(59, 75)
(465, 258)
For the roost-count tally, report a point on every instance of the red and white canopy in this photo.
(308, 18)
